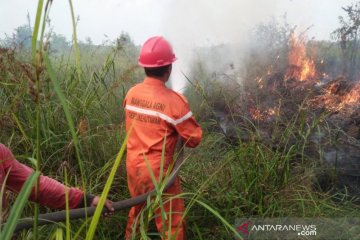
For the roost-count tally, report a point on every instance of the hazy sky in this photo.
(202, 21)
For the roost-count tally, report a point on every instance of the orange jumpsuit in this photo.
(156, 112)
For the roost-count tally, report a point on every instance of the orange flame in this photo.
(301, 67)
(334, 100)
(273, 111)
(353, 96)
(257, 114)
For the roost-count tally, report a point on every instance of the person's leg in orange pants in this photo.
(139, 182)
(174, 211)
(133, 213)
(175, 206)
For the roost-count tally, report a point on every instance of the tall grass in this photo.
(42, 121)
(64, 114)
(18, 207)
(98, 211)
(37, 58)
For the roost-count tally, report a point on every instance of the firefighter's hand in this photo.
(108, 205)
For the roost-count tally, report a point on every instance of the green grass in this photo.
(64, 117)
(18, 206)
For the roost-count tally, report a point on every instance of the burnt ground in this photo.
(334, 142)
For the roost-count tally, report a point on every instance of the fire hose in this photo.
(60, 216)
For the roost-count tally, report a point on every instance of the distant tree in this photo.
(124, 40)
(348, 35)
(126, 44)
(22, 36)
(87, 45)
(89, 41)
(58, 42)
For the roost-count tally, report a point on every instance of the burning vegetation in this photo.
(338, 95)
(304, 88)
(301, 67)
(303, 80)
(293, 93)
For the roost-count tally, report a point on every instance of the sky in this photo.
(187, 24)
(206, 21)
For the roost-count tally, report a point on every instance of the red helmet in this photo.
(156, 52)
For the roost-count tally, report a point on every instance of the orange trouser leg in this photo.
(175, 219)
(134, 211)
(174, 225)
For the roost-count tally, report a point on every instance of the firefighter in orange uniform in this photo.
(157, 114)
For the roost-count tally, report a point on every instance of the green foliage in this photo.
(18, 206)
(104, 195)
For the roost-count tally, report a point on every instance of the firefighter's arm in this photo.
(51, 193)
(186, 125)
(190, 132)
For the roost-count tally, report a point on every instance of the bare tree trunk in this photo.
(353, 59)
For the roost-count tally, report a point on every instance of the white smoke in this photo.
(191, 24)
